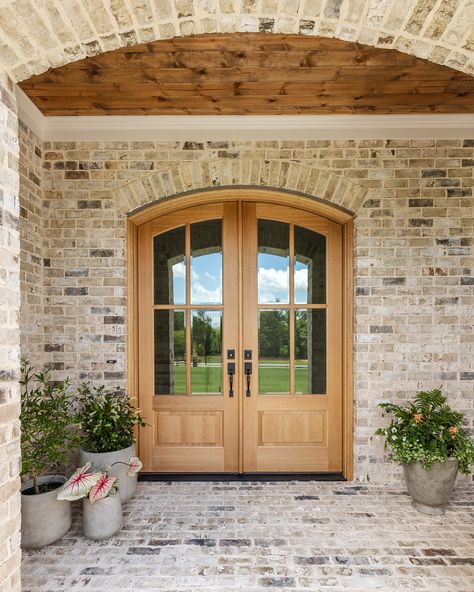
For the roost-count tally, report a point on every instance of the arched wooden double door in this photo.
(240, 340)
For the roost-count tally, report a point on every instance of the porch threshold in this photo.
(251, 477)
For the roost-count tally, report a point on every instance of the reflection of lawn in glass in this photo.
(207, 379)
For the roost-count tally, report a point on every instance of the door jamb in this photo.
(300, 201)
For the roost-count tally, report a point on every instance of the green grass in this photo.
(205, 379)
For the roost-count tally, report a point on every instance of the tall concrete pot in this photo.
(102, 519)
(127, 485)
(44, 519)
(431, 489)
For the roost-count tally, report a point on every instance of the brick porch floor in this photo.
(306, 536)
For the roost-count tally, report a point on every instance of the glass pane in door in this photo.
(170, 352)
(206, 262)
(273, 262)
(273, 352)
(310, 267)
(169, 267)
(206, 346)
(310, 351)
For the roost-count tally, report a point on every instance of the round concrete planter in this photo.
(126, 485)
(102, 519)
(431, 489)
(44, 519)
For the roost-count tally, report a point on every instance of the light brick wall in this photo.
(9, 342)
(414, 254)
(38, 34)
(31, 237)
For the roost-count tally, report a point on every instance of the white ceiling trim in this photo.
(197, 128)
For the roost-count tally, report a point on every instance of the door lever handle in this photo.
(248, 372)
(231, 373)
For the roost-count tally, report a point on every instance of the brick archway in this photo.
(204, 174)
(40, 35)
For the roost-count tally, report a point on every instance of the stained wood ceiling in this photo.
(234, 74)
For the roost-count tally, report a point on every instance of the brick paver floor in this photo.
(185, 537)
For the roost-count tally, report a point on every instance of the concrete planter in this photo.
(127, 485)
(44, 519)
(102, 519)
(430, 490)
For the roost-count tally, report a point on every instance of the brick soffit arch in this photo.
(211, 174)
(36, 35)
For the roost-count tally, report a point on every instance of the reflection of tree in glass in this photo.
(301, 335)
(179, 337)
(206, 337)
(273, 334)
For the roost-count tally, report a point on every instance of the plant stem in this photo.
(35, 483)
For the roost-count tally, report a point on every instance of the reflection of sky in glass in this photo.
(301, 282)
(273, 282)
(206, 279)
(179, 283)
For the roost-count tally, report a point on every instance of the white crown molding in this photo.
(170, 128)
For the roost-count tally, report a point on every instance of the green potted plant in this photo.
(49, 431)
(427, 438)
(108, 421)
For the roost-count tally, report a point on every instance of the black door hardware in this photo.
(248, 372)
(231, 373)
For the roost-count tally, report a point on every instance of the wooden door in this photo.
(188, 316)
(292, 311)
(259, 287)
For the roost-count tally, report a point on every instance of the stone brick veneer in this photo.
(31, 237)
(36, 35)
(414, 254)
(9, 342)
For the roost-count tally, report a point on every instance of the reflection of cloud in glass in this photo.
(301, 283)
(179, 278)
(179, 270)
(272, 278)
(206, 284)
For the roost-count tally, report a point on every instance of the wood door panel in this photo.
(189, 428)
(292, 428)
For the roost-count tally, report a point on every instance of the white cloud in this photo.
(272, 284)
(301, 279)
(202, 295)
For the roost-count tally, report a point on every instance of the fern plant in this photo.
(108, 418)
(427, 430)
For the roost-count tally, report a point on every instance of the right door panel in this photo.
(292, 324)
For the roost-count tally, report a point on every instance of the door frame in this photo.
(253, 194)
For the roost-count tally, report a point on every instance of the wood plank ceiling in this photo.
(234, 74)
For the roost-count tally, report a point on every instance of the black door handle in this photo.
(248, 372)
(231, 373)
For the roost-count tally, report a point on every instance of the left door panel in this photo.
(188, 319)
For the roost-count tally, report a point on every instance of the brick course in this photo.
(9, 342)
(37, 35)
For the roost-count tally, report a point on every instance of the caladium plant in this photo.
(96, 485)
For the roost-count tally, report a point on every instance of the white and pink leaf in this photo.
(134, 466)
(79, 484)
(102, 488)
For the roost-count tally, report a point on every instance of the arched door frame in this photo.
(280, 197)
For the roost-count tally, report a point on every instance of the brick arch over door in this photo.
(37, 35)
(205, 174)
